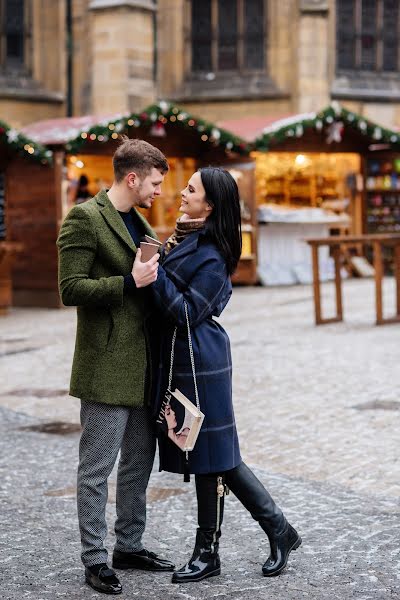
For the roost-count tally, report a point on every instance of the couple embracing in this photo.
(121, 375)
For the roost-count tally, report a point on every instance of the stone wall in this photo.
(128, 53)
(123, 56)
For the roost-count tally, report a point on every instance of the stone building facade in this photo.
(222, 59)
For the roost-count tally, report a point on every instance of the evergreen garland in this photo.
(17, 141)
(296, 126)
(158, 115)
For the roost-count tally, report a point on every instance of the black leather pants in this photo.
(249, 491)
(255, 498)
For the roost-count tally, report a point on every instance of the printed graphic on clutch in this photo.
(180, 420)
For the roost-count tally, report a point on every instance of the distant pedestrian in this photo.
(82, 191)
(97, 246)
(197, 262)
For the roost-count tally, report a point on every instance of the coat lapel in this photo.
(113, 219)
(187, 246)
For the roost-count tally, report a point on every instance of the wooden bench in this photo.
(340, 243)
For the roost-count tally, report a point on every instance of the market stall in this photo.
(20, 157)
(332, 172)
(83, 147)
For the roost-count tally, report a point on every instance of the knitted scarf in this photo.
(182, 230)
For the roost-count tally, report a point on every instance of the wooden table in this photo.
(337, 244)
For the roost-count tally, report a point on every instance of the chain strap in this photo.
(191, 357)
(172, 358)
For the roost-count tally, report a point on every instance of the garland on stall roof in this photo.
(296, 126)
(17, 141)
(156, 116)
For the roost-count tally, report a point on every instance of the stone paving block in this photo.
(318, 418)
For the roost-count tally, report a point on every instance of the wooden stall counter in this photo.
(338, 245)
(8, 251)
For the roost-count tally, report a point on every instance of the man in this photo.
(97, 246)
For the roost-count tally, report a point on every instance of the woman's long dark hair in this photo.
(224, 223)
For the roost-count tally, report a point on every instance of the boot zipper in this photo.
(220, 493)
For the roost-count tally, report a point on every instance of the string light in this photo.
(297, 126)
(20, 143)
(162, 113)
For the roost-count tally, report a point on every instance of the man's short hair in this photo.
(137, 156)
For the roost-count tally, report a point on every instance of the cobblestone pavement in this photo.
(318, 414)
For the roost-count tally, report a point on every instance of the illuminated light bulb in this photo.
(73, 159)
(84, 135)
(172, 119)
(300, 160)
(80, 164)
(114, 135)
(204, 137)
(130, 122)
(92, 136)
(111, 126)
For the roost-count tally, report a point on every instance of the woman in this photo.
(195, 269)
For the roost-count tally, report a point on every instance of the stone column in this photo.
(123, 55)
(313, 56)
(172, 20)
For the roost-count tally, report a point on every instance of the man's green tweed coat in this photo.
(96, 251)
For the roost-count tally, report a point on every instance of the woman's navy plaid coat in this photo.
(195, 272)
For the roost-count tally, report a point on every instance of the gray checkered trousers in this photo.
(106, 430)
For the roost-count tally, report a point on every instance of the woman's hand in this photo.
(144, 273)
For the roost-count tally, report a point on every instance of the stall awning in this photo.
(334, 127)
(156, 121)
(249, 128)
(58, 132)
(14, 141)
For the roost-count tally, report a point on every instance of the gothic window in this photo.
(201, 35)
(367, 35)
(227, 35)
(253, 33)
(15, 32)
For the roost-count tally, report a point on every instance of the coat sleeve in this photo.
(202, 296)
(77, 244)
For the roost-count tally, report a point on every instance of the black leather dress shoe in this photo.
(281, 546)
(144, 560)
(103, 579)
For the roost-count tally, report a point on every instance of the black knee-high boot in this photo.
(205, 561)
(283, 538)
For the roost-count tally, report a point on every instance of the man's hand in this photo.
(144, 273)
